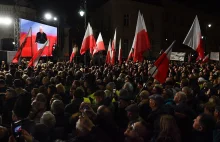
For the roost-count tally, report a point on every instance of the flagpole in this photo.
(85, 28)
(31, 43)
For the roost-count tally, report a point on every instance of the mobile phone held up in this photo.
(16, 129)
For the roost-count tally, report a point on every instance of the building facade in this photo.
(165, 23)
(122, 15)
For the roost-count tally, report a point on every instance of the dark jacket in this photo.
(41, 38)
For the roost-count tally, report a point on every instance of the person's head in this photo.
(51, 89)
(209, 108)
(168, 123)
(99, 96)
(10, 93)
(132, 112)
(167, 94)
(110, 86)
(104, 114)
(17, 83)
(156, 101)
(180, 97)
(34, 92)
(217, 113)
(60, 88)
(157, 89)
(22, 107)
(184, 82)
(48, 119)
(57, 107)
(41, 29)
(144, 95)
(204, 123)
(124, 99)
(78, 93)
(136, 132)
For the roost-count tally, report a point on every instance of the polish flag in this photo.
(73, 54)
(27, 41)
(205, 59)
(193, 39)
(99, 44)
(88, 41)
(109, 54)
(113, 49)
(160, 69)
(120, 53)
(141, 42)
(34, 60)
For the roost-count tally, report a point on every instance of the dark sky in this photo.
(71, 7)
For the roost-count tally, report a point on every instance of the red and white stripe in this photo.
(160, 69)
(34, 60)
(100, 46)
(88, 41)
(120, 53)
(194, 40)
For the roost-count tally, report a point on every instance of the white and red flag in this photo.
(88, 41)
(161, 66)
(205, 59)
(73, 54)
(34, 60)
(100, 46)
(120, 53)
(141, 40)
(109, 54)
(194, 40)
(27, 41)
(113, 49)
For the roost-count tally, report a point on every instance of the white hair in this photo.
(48, 119)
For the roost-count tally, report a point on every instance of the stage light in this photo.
(5, 21)
(13, 43)
(81, 13)
(202, 37)
(48, 16)
(209, 25)
(55, 18)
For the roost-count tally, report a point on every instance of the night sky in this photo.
(70, 8)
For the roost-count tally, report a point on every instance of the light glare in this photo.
(48, 16)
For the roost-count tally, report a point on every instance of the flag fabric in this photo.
(160, 69)
(141, 41)
(109, 54)
(27, 40)
(99, 44)
(34, 60)
(113, 49)
(73, 54)
(88, 41)
(194, 40)
(205, 59)
(120, 53)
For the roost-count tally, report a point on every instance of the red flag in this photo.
(73, 54)
(160, 69)
(27, 40)
(99, 44)
(205, 59)
(120, 53)
(34, 60)
(88, 41)
(108, 56)
(131, 54)
(193, 39)
(141, 42)
(113, 49)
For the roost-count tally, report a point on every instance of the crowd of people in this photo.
(67, 102)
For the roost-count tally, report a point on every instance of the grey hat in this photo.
(158, 99)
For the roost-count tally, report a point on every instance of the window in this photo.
(126, 20)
